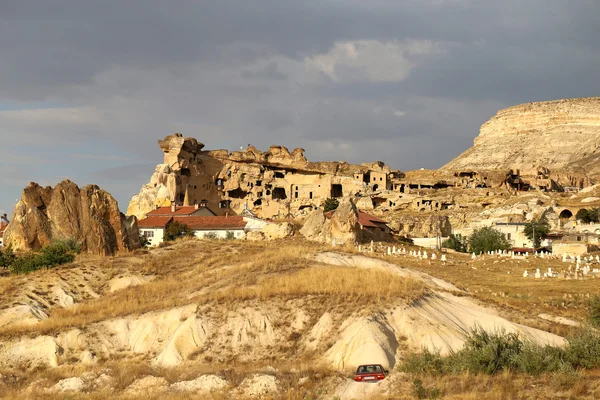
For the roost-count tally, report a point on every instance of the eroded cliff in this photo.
(560, 136)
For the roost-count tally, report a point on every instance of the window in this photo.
(508, 236)
(295, 195)
(310, 195)
(380, 178)
(148, 234)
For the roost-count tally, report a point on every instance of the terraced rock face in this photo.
(561, 135)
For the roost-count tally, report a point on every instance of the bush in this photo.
(56, 253)
(426, 362)
(486, 353)
(487, 239)
(176, 230)
(229, 235)
(594, 311)
(144, 242)
(455, 242)
(331, 204)
(7, 257)
(422, 392)
(588, 216)
(210, 235)
(583, 350)
(491, 353)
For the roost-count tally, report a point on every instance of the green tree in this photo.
(487, 239)
(176, 230)
(7, 256)
(331, 204)
(455, 242)
(537, 231)
(144, 241)
(587, 216)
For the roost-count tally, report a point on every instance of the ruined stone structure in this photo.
(276, 183)
(89, 215)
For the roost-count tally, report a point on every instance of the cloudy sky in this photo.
(88, 87)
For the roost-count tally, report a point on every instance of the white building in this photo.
(217, 227)
(153, 229)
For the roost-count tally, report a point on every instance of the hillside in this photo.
(561, 135)
(253, 320)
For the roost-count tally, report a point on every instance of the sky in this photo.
(87, 88)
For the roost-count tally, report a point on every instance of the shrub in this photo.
(176, 230)
(487, 239)
(144, 242)
(491, 353)
(594, 311)
(486, 353)
(229, 235)
(583, 350)
(330, 204)
(56, 253)
(456, 242)
(426, 362)
(422, 392)
(587, 216)
(7, 257)
(210, 235)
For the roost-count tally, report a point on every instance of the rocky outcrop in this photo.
(277, 183)
(341, 228)
(89, 215)
(561, 135)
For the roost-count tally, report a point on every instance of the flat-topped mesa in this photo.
(557, 136)
(274, 183)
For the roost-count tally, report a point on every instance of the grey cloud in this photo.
(231, 72)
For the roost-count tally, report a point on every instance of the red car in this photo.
(370, 373)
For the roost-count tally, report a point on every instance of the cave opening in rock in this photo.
(279, 193)
(337, 190)
(237, 193)
(565, 214)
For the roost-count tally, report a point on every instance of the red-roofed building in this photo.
(181, 211)
(369, 223)
(218, 227)
(215, 226)
(153, 228)
(3, 226)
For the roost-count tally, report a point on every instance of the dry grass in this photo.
(363, 286)
(500, 282)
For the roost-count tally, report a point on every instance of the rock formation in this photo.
(340, 228)
(90, 215)
(276, 183)
(559, 136)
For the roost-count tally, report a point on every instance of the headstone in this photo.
(394, 250)
(525, 274)
(425, 256)
(389, 251)
(538, 275)
(433, 256)
(597, 259)
(443, 259)
(473, 256)
(564, 258)
(550, 271)
(419, 254)
(359, 248)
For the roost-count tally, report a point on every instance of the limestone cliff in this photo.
(561, 136)
(90, 215)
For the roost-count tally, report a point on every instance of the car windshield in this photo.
(369, 369)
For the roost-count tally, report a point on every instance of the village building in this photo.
(3, 225)
(214, 227)
(197, 210)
